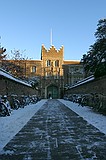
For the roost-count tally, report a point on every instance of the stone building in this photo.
(52, 71)
(73, 73)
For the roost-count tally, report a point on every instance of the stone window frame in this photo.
(48, 62)
(33, 69)
(57, 63)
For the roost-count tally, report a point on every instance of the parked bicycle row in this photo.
(94, 100)
(9, 103)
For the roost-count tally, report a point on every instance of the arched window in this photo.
(57, 63)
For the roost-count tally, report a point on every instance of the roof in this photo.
(71, 62)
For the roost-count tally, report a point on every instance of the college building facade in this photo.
(52, 72)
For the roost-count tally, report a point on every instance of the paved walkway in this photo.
(56, 133)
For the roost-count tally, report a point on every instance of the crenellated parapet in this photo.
(52, 52)
(43, 49)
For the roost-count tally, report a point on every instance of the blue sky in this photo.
(26, 25)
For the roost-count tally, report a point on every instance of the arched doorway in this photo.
(52, 91)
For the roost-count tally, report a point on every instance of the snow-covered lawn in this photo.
(11, 125)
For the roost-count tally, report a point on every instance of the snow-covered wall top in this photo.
(11, 77)
(88, 79)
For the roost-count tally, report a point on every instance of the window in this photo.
(33, 69)
(48, 62)
(57, 63)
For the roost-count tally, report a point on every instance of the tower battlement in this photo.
(52, 52)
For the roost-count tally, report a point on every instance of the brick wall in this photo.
(8, 87)
(94, 86)
(94, 93)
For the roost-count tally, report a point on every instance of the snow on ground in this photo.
(96, 119)
(11, 125)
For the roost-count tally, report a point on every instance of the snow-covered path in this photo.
(56, 132)
(11, 125)
(96, 119)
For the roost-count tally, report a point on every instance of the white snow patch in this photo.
(11, 125)
(96, 119)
